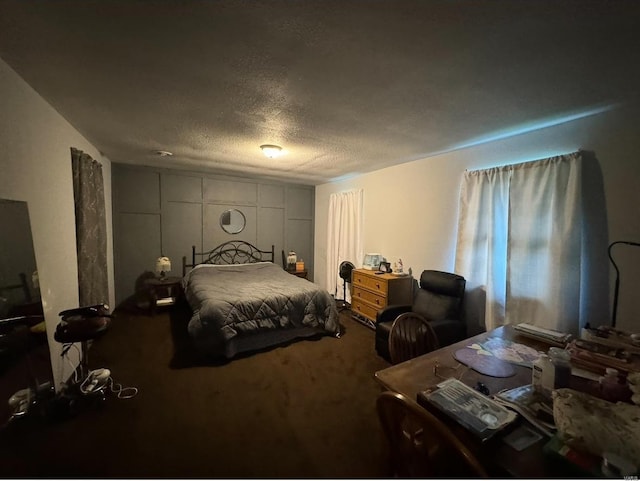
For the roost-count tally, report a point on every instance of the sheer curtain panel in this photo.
(91, 229)
(532, 244)
(482, 244)
(344, 236)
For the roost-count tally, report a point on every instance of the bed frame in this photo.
(241, 252)
(230, 252)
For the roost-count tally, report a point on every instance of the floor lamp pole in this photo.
(617, 284)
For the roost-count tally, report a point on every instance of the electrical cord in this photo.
(91, 384)
(121, 392)
(88, 386)
(77, 371)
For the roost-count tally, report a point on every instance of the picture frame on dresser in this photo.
(385, 267)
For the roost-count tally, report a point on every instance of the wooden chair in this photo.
(420, 444)
(411, 336)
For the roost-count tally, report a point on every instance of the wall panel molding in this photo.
(187, 206)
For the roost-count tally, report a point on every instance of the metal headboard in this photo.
(231, 252)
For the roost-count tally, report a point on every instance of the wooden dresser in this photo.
(371, 292)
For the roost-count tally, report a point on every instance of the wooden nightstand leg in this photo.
(153, 301)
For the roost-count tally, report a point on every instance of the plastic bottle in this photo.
(561, 360)
(541, 370)
(548, 376)
(611, 389)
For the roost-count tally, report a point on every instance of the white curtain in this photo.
(481, 247)
(344, 237)
(528, 247)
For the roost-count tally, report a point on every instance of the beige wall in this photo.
(35, 166)
(411, 209)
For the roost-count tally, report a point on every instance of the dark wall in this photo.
(164, 212)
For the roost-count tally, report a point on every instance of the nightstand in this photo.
(163, 292)
(302, 273)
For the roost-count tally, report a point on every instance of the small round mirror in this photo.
(232, 221)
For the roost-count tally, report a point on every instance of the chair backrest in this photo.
(420, 444)
(440, 295)
(411, 336)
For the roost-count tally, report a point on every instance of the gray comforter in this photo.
(236, 301)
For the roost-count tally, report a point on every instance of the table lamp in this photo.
(163, 265)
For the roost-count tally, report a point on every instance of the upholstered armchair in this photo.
(439, 300)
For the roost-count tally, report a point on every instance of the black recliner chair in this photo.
(439, 300)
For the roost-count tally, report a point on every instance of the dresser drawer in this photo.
(371, 292)
(370, 281)
(373, 298)
(360, 307)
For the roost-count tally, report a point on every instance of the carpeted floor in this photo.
(306, 410)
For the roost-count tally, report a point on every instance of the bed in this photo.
(241, 301)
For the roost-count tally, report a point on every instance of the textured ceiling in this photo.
(345, 86)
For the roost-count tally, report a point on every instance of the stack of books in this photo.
(549, 336)
(604, 347)
(610, 336)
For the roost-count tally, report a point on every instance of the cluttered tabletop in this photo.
(535, 402)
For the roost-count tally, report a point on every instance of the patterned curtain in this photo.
(91, 229)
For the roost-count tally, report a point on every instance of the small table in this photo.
(302, 273)
(163, 291)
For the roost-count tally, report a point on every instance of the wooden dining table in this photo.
(426, 371)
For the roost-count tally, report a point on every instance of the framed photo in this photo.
(385, 267)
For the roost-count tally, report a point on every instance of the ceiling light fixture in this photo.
(272, 151)
(164, 153)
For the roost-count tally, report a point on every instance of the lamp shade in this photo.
(163, 264)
